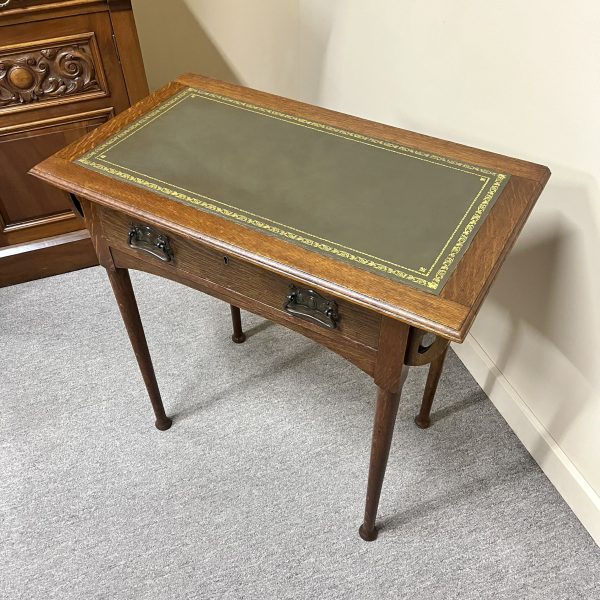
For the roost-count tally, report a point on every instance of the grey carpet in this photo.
(257, 490)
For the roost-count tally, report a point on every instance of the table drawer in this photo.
(172, 252)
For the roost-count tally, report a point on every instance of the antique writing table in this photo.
(362, 237)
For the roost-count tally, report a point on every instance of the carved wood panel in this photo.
(46, 71)
(61, 75)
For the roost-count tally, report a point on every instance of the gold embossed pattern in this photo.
(117, 158)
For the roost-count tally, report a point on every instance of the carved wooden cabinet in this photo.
(65, 67)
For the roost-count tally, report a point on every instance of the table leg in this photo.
(121, 285)
(236, 319)
(433, 377)
(383, 431)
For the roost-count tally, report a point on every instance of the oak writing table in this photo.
(365, 238)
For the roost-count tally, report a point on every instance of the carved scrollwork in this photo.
(47, 73)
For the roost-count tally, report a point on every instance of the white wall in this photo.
(519, 78)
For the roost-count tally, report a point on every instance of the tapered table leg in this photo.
(236, 319)
(383, 430)
(121, 285)
(433, 377)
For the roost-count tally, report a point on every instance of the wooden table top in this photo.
(405, 224)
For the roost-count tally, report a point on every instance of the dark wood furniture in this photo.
(379, 324)
(65, 68)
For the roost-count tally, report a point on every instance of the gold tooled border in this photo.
(283, 230)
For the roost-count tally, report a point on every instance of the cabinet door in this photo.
(59, 78)
(29, 208)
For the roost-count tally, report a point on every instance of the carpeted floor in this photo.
(257, 490)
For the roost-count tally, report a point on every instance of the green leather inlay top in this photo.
(397, 211)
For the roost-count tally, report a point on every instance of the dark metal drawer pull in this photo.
(308, 304)
(144, 237)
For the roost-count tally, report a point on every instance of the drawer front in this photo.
(162, 248)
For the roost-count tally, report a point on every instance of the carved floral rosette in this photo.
(47, 73)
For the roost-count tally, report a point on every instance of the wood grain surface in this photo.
(45, 105)
(448, 315)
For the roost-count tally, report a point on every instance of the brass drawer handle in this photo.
(311, 306)
(147, 239)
